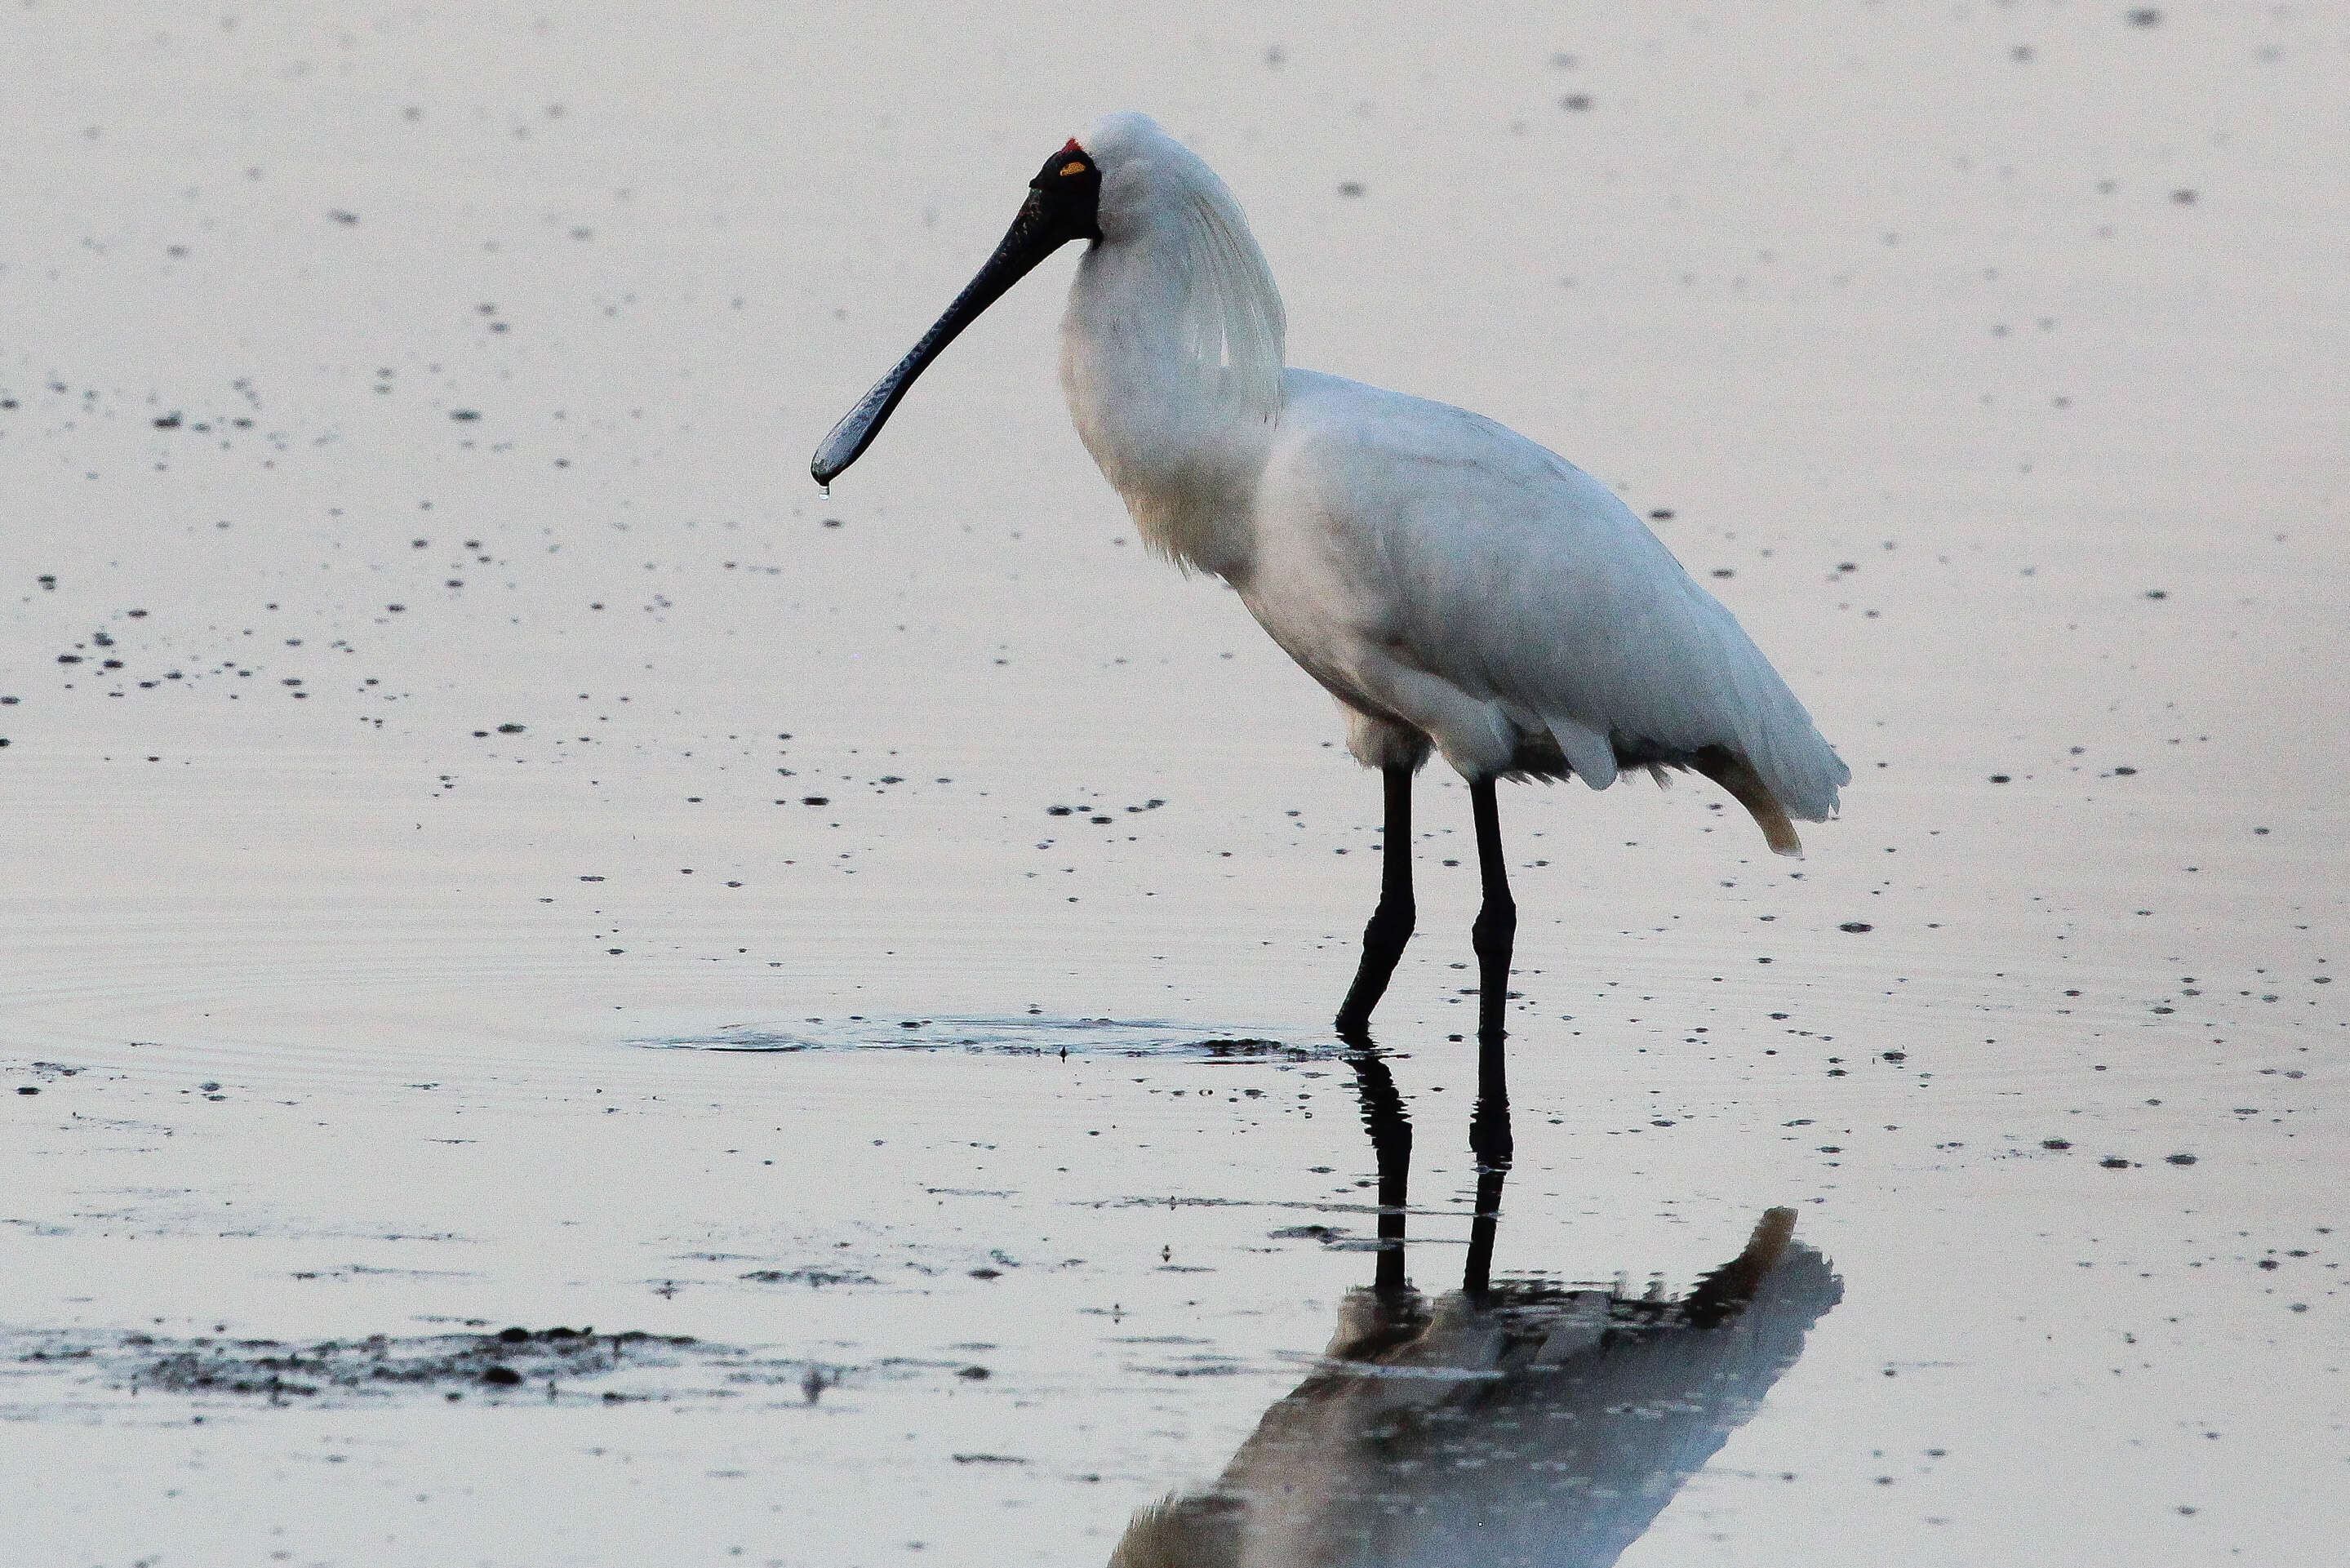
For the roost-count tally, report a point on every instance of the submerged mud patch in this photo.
(45, 1367)
(1032, 1035)
(506, 1359)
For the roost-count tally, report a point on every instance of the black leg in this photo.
(1497, 921)
(1392, 922)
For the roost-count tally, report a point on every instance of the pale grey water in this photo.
(2013, 473)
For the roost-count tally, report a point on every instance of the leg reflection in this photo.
(1390, 1128)
(1389, 1125)
(1489, 1141)
(1518, 1420)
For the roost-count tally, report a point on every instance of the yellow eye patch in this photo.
(1072, 168)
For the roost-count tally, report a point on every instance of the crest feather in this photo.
(1226, 316)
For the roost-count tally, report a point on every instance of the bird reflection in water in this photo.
(1513, 1421)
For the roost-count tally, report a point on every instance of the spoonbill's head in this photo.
(1064, 203)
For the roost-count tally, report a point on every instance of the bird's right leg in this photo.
(1496, 930)
(1391, 923)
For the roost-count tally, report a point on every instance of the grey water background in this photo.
(442, 707)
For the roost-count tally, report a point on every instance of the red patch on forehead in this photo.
(1071, 146)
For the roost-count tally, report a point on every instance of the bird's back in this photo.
(1393, 530)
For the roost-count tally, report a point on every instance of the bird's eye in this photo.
(1072, 168)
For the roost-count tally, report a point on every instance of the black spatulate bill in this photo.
(1063, 204)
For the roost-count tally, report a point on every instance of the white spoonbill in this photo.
(1453, 584)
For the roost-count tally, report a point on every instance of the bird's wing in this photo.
(1508, 572)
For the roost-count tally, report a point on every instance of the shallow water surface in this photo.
(570, 1000)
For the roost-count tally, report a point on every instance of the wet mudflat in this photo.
(846, 978)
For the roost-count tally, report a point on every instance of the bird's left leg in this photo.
(1496, 930)
(1391, 923)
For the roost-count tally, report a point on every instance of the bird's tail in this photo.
(1747, 788)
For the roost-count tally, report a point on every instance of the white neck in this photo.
(1170, 359)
